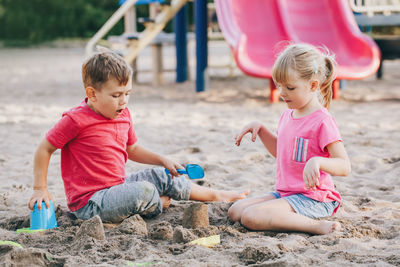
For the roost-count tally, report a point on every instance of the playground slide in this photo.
(255, 30)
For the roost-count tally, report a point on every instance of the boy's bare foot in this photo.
(230, 196)
(166, 201)
(202, 193)
(328, 227)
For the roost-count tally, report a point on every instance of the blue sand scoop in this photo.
(194, 171)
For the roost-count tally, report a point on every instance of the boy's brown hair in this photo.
(102, 66)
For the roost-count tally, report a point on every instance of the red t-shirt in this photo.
(93, 151)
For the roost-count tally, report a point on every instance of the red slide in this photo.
(256, 30)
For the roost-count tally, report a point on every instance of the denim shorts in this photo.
(309, 207)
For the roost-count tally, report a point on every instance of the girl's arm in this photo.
(268, 139)
(257, 128)
(140, 154)
(338, 164)
(40, 167)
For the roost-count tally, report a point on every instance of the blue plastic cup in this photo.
(44, 218)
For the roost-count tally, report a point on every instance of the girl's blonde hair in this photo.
(309, 63)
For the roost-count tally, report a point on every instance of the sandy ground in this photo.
(38, 84)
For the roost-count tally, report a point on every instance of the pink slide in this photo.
(255, 30)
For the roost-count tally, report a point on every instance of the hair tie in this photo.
(315, 66)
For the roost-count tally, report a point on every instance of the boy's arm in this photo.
(40, 167)
(139, 154)
(338, 164)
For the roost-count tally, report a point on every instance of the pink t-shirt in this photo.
(299, 140)
(93, 151)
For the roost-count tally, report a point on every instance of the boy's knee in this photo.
(146, 200)
(164, 181)
(177, 188)
(147, 192)
(161, 175)
(147, 188)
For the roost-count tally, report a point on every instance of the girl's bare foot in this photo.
(327, 227)
(230, 196)
(166, 201)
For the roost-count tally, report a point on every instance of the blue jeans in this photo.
(139, 194)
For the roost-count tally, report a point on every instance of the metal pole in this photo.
(180, 25)
(200, 7)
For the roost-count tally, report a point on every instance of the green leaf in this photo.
(12, 243)
(49, 257)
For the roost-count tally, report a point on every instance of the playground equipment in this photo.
(371, 7)
(145, 37)
(255, 31)
(380, 13)
(121, 43)
(174, 8)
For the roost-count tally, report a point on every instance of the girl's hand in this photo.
(172, 167)
(253, 127)
(311, 174)
(38, 196)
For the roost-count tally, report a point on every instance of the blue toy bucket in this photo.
(44, 218)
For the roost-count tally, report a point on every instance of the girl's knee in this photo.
(233, 213)
(251, 220)
(247, 219)
(236, 210)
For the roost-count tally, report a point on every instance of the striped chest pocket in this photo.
(300, 149)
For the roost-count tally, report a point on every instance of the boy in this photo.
(96, 139)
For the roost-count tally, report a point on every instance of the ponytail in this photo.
(326, 86)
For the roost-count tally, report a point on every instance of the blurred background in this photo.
(23, 23)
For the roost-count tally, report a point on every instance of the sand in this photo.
(38, 84)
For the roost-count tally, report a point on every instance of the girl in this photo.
(308, 149)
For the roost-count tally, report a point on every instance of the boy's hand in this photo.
(38, 196)
(172, 167)
(311, 173)
(253, 127)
